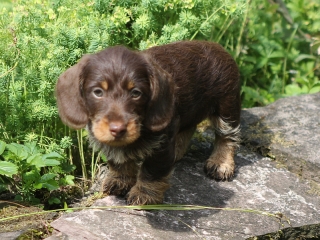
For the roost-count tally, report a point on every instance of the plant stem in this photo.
(195, 34)
(80, 145)
(93, 169)
(284, 75)
(238, 47)
(70, 150)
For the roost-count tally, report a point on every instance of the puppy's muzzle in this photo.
(116, 132)
(117, 129)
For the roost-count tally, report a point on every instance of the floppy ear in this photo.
(161, 105)
(71, 106)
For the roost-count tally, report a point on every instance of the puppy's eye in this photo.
(98, 92)
(136, 93)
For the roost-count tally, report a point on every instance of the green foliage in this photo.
(28, 170)
(279, 57)
(40, 39)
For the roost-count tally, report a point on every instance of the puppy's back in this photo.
(203, 73)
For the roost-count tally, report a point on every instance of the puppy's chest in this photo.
(144, 147)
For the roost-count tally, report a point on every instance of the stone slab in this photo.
(287, 130)
(258, 185)
(277, 167)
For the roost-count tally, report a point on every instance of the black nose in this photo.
(117, 129)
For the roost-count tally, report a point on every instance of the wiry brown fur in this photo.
(141, 109)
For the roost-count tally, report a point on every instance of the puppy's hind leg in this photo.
(220, 165)
(182, 142)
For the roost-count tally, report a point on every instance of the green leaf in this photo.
(52, 155)
(18, 198)
(8, 168)
(18, 150)
(50, 185)
(262, 62)
(315, 89)
(48, 176)
(303, 57)
(3, 187)
(317, 84)
(2, 146)
(54, 200)
(50, 159)
(51, 162)
(37, 185)
(36, 160)
(31, 176)
(69, 179)
(104, 158)
(67, 168)
(302, 80)
(32, 148)
(276, 54)
(294, 89)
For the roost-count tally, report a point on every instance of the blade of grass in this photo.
(169, 207)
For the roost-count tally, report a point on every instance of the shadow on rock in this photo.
(189, 186)
(255, 134)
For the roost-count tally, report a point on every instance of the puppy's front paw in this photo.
(137, 197)
(147, 193)
(118, 186)
(219, 171)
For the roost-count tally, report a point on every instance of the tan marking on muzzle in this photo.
(102, 133)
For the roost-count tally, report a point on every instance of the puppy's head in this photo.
(118, 91)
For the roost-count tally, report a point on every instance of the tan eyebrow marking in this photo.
(130, 85)
(104, 85)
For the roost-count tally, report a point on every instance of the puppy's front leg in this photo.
(153, 178)
(121, 178)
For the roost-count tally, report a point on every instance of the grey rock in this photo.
(289, 131)
(261, 183)
(10, 235)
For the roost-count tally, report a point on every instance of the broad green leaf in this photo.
(44, 160)
(104, 158)
(315, 89)
(54, 200)
(50, 185)
(303, 57)
(37, 185)
(52, 155)
(48, 176)
(66, 167)
(2, 147)
(51, 162)
(69, 179)
(31, 176)
(292, 90)
(317, 84)
(49, 159)
(302, 80)
(36, 160)
(262, 62)
(18, 198)
(18, 150)
(32, 148)
(276, 54)
(8, 168)
(3, 187)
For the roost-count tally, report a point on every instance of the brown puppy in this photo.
(141, 109)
